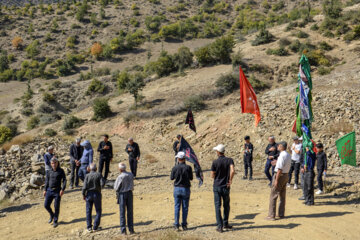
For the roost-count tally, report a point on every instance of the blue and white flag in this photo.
(304, 102)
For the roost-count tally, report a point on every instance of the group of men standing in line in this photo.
(281, 163)
(83, 167)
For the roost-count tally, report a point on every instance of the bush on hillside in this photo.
(135, 85)
(195, 103)
(257, 84)
(96, 86)
(72, 122)
(228, 82)
(263, 37)
(122, 79)
(4, 62)
(281, 51)
(237, 59)
(101, 109)
(5, 134)
(33, 49)
(183, 58)
(33, 122)
(50, 132)
(48, 97)
(332, 8)
(17, 42)
(96, 50)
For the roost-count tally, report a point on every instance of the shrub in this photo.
(96, 87)
(135, 39)
(122, 79)
(81, 12)
(153, 23)
(314, 27)
(48, 97)
(4, 62)
(107, 52)
(325, 46)
(237, 59)
(5, 134)
(71, 41)
(163, 66)
(50, 132)
(183, 58)
(33, 49)
(318, 58)
(302, 34)
(96, 50)
(71, 122)
(228, 82)
(135, 85)
(332, 8)
(262, 38)
(101, 109)
(278, 51)
(33, 122)
(324, 70)
(195, 103)
(7, 75)
(257, 84)
(283, 42)
(204, 56)
(221, 49)
(45, 108)
(278, 6)
(17, 42)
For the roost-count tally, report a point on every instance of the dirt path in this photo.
(154, 215)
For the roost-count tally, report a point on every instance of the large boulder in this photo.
(15, 149)
(37, 180)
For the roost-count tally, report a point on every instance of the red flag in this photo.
(248, 98)
(294, 127)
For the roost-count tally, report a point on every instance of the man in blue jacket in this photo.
(47, 158)
(86, 159)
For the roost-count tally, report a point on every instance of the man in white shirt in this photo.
(279, 181)
(296, 149)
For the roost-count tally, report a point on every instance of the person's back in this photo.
(92, 182)
(221, 167)
(182, 174)
(124, 182)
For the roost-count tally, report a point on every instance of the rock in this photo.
(23, 189)
(15, 149)
(36, 180)
(2, 151)
(38, 168)
(36, 158)
(3, 194)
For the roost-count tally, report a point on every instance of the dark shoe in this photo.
(302, 198)
(55, 224)
(244, 177)
(250, 179)
(282, 217)
(269, 185)
(228, 227)
(131, 232)
(97, 229)
(309, 204)
(176, 228)
(123, 233)
(184, 228)
(50, 220)
(89, 230)
(220, 230)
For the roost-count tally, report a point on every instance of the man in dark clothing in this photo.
(106, 155)
(176, 146)
(309, 177)
(302, 172)
(248, 157)
(47, 158)
(76, 151)
(222, 171)
(132, 148)
(53, 189)
(273, 153)
(321, 166)
(182, 174)
(92, 195)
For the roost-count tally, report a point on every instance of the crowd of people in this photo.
(282, 165)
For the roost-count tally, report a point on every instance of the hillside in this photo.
(183, 54)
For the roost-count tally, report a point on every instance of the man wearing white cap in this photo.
(222, 171)
(182, 174)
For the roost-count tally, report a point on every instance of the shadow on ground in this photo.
(18, 208)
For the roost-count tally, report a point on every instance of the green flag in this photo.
(346, 147)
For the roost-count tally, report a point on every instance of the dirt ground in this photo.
(330, 218)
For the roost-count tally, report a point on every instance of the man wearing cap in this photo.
(133, 150)
(222, 171)
(106, 156)
(182, 174)
(47, 158)
(124, 186)
(92, 195)
(176, 146)
(53, 190)
(295, 161)
(86, 159)
(280, 178)
(273, 153)
(76, 151)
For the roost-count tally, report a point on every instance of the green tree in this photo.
(33, 49)
(122, 79)
(4, 62)
(5, 134)
(183, 58)
(332, 8)
(101, 109)
(135, 85)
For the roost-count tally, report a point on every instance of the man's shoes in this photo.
(244, 177)
(269, 184)
(97, 229)
(184, 228)
(70, 187)
(288, 185)
(89, 230)
(227, 227)
(123, 233)
(55, 224)
(302, 198)
(176, 228)
(282, 217)
(295, 187)
(270, 219)
(319, 192)
(131, 232)
(220, 230)
(309, 204)
(50, 220)
(250, 178)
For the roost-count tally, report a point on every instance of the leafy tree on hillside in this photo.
(135, 85)
(332, 8)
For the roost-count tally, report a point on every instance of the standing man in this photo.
(302, 171)
(76, 151)
(132, 148)
(176, 146)
(295, 161)
(222, 171)
(309, 177)
(53, 190)
(272, 152)
(92, 195)
(321, 166)
(248, 157)
(182, 174)
(86, 159)
(279, 181)
(106, 156)
(124, 185)
(47, 158)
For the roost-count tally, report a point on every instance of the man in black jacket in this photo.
(76, 151)
(53, 190)
(248, 157)
(321, 166)
(182, 174)
(106, 156)
(132, 148)
(273, 153)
